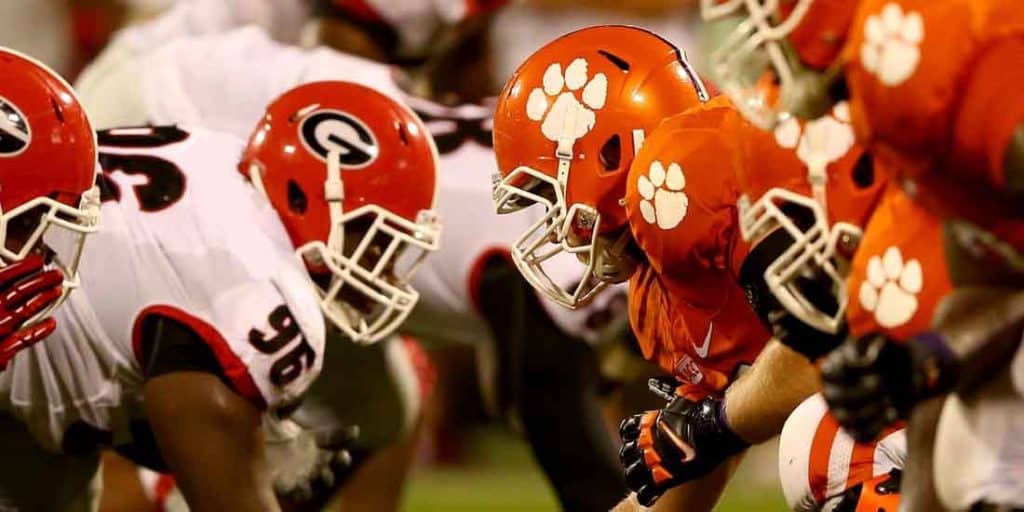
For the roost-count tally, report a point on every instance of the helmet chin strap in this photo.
(334, 194)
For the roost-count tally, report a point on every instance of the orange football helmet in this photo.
(353, 176)
(48, 168)
(776, 40)
(567, 126)
(810, 181)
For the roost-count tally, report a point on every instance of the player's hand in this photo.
(25, 291)
(305, 460)
(682, 442)
(873, 381)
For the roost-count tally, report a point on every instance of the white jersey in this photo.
(183, 236)
(225, 81)
(282, 19)
(979, 456)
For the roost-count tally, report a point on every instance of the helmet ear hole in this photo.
(611, 153)
(617, 61)
(297, 201)
(402, 134)
(57, 111)
(864, 171)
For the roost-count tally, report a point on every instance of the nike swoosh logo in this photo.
(702, 351)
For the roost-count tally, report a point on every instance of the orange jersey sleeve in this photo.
(899, 274)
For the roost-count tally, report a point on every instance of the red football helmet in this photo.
(47, 168)
(567, 126)
(353, 175)
(776, 40)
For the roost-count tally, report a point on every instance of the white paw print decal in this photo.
(663, 201)
(576, 98)
(891, 49)
(820, 142)
(891, 288)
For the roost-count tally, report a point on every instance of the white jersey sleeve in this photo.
(818, 461)
(183, 237)
(220, 81)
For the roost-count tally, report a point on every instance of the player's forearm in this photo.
(758, 404)
(982, 329)
(918, 487)
(212, 440)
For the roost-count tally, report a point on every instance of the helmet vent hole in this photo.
(403, 135)
(297, 201)
(611, 153)
(864, 172)
(619, 62)
(57, 111)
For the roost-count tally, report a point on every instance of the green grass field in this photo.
(501, 477)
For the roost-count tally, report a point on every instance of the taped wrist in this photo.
(936, 368)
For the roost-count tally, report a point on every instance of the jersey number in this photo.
(290, 366)
(161, 182)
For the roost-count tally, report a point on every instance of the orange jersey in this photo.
(935, 95)
(899, 274)
(686, 308)
(703, 348)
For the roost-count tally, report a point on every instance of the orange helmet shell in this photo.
(781, 159)
(622, 81)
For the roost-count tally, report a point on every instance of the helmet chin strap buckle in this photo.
(334, 194)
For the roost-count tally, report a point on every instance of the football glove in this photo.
(873, 381)
(303, 460)
(682, 442)
(25, 291)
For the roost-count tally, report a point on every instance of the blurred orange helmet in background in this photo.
(812, 182)
(776, 39)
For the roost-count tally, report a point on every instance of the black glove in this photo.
(682, 442)
(873, 381)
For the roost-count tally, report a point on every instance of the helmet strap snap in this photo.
(334, 194)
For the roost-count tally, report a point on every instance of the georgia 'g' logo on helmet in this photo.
(327, 131)
(15, 133)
